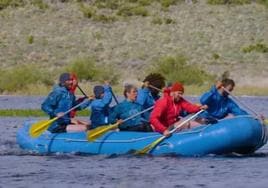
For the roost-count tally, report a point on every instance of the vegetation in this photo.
(259, 47)
(226, 2)
(33, 113)
(19, 77)
(126, 37)
(177, 69)
(88, 70)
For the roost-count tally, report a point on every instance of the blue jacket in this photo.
(100, 108)
(59, 100)
(219, 106)
(124, 110)
(146, 100)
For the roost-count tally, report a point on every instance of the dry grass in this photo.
(212, 36)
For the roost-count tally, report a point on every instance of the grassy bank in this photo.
(122, 40)
(32, 113)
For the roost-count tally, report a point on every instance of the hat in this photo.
(177, 86)
(64, 77)
(98, 90)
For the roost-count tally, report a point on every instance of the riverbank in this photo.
(215, 38)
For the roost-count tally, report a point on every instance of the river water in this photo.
(19, 168)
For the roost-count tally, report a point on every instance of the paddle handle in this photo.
(115, 99)
(82, 91)
(147, 109)
(187, 120)
(71, 109)
(239, 101)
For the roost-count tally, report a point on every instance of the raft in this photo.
(241, 135)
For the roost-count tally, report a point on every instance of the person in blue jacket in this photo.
(218, 102)
(59, 101)
(149, 93)
(100, 105)
(128, 108)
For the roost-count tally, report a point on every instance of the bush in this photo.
(177, 69)
(104, 18)
(86, 69)
(263, 2)
(40, 4)
(259, 47)
(225, 2)
(132, 11)
(19, 77)
(30, 39)
(87, 10)
(12, 3)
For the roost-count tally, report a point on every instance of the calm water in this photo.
(23, 169)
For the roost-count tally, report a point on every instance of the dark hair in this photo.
(128, 88)
(227, 81)
(156, 80)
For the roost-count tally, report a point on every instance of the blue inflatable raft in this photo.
(242, 135)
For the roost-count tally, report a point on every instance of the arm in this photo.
(50, 103)
(189, 107)
(142, 96)
(156, 114)
(208, 97)
(113, 114)
(234, 109)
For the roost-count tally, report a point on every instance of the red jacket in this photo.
(166, 112)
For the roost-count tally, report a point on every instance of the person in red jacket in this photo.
(167, 109)
(73, 88)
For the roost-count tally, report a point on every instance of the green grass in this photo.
(32, 113)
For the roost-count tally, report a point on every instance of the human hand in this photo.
(146, 84)
(219, 85)
(60, 114)
(107, 82)
(204, 107)
(166, 133)
(120, 121)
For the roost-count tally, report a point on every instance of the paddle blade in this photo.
(39, 127)
(92, 135)
(149, 147)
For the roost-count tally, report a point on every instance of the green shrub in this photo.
(169, 21)
(177, 69)
(225, 2)
(104, 18)
(40, 4)
(167, 3)
(259, 47)
(130, 10)
(263, 2)
(30, 39)
(19, 77)
(87, 10)
(110, 4)
(87, 69)
(145, 2)
(12, 3)
(215, 56)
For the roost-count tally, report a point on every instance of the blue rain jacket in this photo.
(124, 110)
(219, 106)
(146, 100)
(59, 100)
(100, 108)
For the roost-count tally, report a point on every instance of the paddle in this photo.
(82, 91)
(243, 104)
(151, 146)
(39, 127)
(115, 99)
(99, 131)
